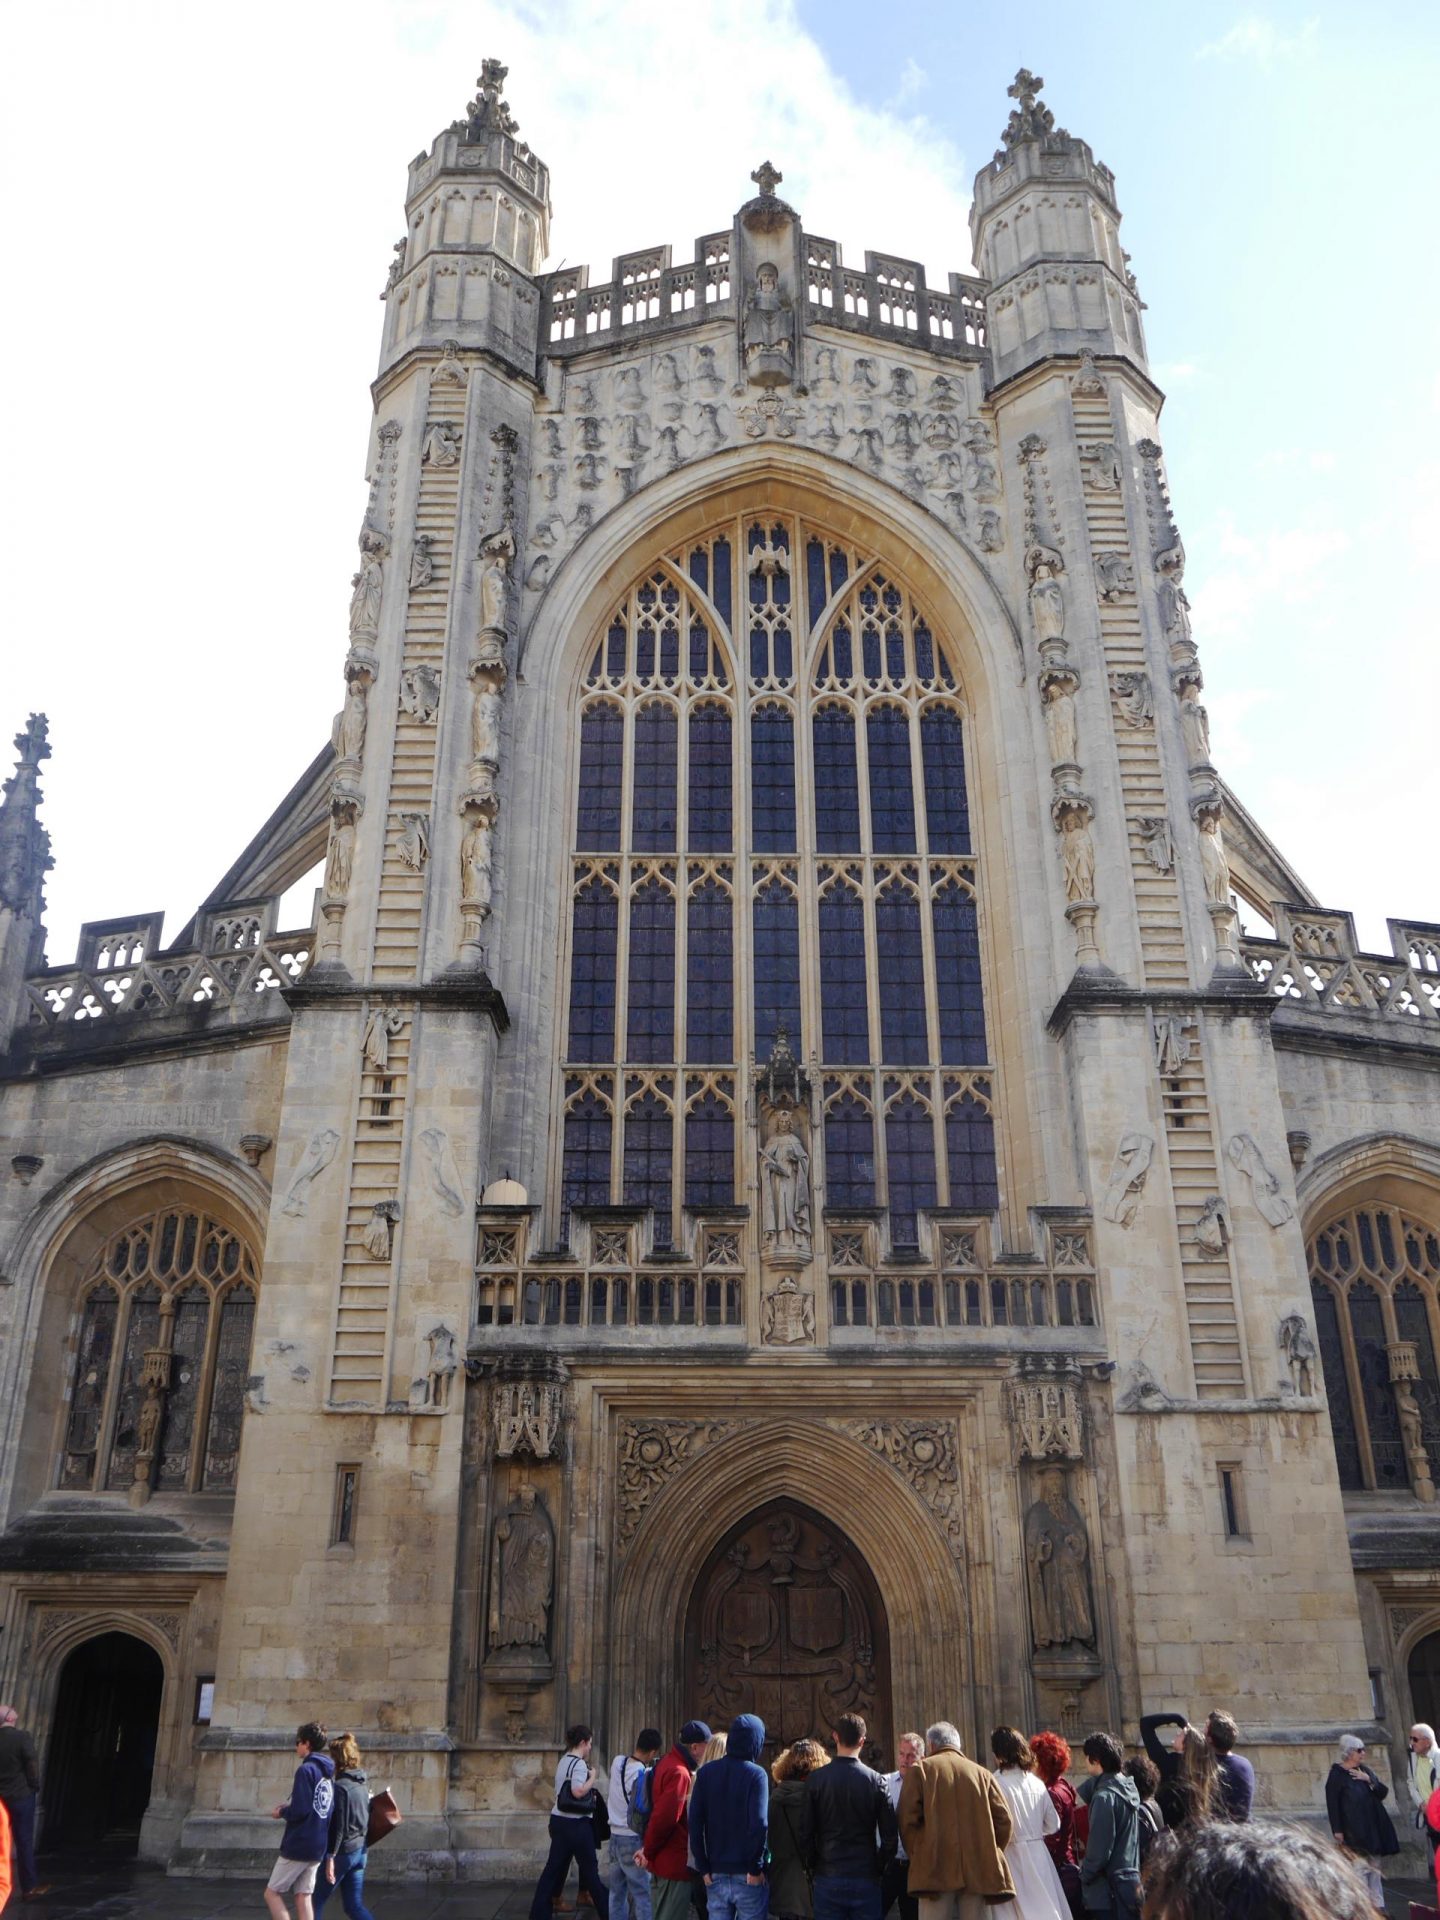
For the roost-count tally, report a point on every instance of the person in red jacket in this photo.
(667, 1831)
(6, 1884)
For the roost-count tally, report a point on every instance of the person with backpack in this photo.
(572, 1828)
(1146, 1775)
(729, 1805)
(628, 1805)
(667, 1831)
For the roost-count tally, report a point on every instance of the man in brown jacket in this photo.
(954, 1824)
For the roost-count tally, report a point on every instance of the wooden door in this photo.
(786, 1622)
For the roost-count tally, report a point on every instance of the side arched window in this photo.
(157, 1392)
(1374, 1276)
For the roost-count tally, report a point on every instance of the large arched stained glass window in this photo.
(772, 831)
(1375, 1284)
(162, 1356)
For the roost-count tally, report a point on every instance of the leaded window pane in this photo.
(709, 1153)
(970, 1156)
(650, 1014)
(958, 991)
(777, 968)
(1337, 1386)
(849, 1153)
(1412, 1322)
(837, 782)
(947, 810)
(1367, 1328)
(92, 1380)
(845, 1018)
(772, 780)
(592, 973)
(227, 1399)
(710, 982)
(187, 1363)
(711, 825)
(910, 1167)
(903, 1039)
(602, 770)
(653, 818)
(892, 798)
(648, 1154)
(143, 1331)
(586, 1174)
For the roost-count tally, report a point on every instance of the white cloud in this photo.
(1259, 40)
(912, 82)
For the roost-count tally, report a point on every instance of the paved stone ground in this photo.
(105, 1891)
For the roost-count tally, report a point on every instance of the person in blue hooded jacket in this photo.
(307, 1826)
(729, 1819)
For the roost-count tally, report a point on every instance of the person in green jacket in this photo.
(1110, 1871)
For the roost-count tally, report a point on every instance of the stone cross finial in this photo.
(1032, 119)
(766, 177)
(1024, 88)
(488, 112)
(33, 745)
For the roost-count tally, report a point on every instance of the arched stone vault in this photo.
(923, 1582)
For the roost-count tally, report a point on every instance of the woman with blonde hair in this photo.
(1039, 1894)
(344, 1864)
(788, 1875)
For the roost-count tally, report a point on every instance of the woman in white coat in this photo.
(1038, 1892)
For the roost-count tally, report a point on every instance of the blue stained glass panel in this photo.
(849, 1154)
(903, 1039)
(844, 1012)
(957, 979)
(700, 568)
(892, 799)
(652, 826)
(709, 985)
(815, 579)
(837, 782)
(947, 810)
(720, 593)
(772, 780)
(647, 1155)
(615, 647)
(777, 968)
(709, 1154)
(602, 769)
(844, 654)
(585, 1172)
(970, 1156)
(595, 938)
(650, 1012)
(910, 1168)
(924, 652)
(711, 824)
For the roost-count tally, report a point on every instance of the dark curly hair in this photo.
(1261, 1870)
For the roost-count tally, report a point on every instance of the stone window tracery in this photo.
(1374, 1276)
(772, 831)
(162, 1358)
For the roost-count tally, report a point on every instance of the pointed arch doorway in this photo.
(786, 1621)
(102, 1744)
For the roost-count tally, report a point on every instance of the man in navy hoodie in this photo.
(307, 1826)
(729, 1818)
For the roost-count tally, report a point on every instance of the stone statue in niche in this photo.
(340, 853)
(317, 1156)
(420, 693)
(422, 563)
(1077, 849)
(1299, 1351)
(785, 1189)
(348, 735)
(1115, 574)
(1057, 1556)
(475, 889)
(439, 1361)
(1174, 606)
(1057, 690)
(1194, 723)
(769, 332)
(1134, 698)
(442, 445)
(522, 1574)
(367, 586)
(787, 1316)
(1212, 1228)
(497, 553)
(1100, 467)
(485, 720)
(1127, 1177)
(450, 370)
(1172, 1045)
(1158, 842)
(380, 1231)
(1044, 568)
(1214, 865)
(1270, 1202)
(380, 1029)
(414, 848)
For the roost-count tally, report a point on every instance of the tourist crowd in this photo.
(1167, 1833)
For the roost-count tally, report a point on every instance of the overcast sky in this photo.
(199, 209)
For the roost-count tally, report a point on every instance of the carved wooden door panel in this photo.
(785, 1621)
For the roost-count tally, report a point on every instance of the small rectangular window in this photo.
(204, 1699)
(347, 1498)
(1377, 1693)
(1232, 1501)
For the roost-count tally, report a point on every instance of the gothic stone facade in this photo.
(774, 1178)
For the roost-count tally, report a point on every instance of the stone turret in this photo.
(1046, 233)
(477, 216)
(24, 862)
